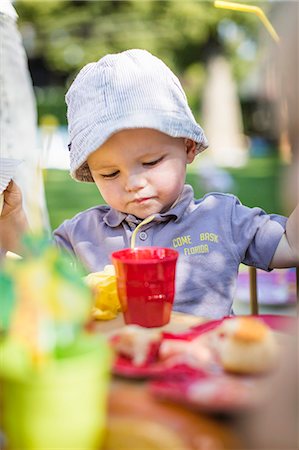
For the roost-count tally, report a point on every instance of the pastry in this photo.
(246, 345)
(139, 344)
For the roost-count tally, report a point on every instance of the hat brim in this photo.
(98, 133)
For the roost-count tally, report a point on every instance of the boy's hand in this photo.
(12, 200)
(287, 252)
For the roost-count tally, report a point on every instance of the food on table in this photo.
(139, 344)
(103, 285)
(246, 345)
(197, 353)
(243, 345)
(193, 368)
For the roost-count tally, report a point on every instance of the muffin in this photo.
(246, 345)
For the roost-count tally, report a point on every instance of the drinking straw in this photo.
(252, 9)
(145, 221)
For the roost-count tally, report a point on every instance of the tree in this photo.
(62, 36)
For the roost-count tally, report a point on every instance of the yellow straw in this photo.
(252, 9)
(145, 221)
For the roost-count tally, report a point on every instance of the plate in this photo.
(222, 393)
(124, 367)
(211, 393)
(275, 322)
(206, 389)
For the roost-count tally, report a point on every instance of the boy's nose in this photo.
(135, 182)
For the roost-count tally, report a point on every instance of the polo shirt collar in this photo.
(181, 205)
(114, 218)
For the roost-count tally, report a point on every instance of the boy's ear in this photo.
(190, 149)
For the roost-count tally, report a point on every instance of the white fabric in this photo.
(18, 122)
(8, 168)
(7, 9)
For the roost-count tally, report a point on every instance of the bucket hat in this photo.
(131, 89)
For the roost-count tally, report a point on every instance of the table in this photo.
(138, 421)
(178, 322)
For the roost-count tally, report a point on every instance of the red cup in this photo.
(146, 284)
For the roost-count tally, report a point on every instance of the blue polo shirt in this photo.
(213, 235)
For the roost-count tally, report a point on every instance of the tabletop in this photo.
(178, 322)
(137, 420)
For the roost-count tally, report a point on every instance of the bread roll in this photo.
(246, 345)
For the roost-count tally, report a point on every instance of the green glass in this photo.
(61, 405)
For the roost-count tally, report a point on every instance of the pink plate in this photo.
(160, 369)
(276, 322)
(222, 393)
(125, 368)
(211, 393)
(202, 389)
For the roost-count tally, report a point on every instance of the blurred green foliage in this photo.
(50, 100)
(65, 35)
(69, 34)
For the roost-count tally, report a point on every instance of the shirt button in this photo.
(143, 235)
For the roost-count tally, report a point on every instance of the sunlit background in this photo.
(219, 55)
(241, 80)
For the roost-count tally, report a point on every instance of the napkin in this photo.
(104, 288)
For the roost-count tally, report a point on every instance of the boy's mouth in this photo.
(142, 200)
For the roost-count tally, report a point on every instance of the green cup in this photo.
(61, 405)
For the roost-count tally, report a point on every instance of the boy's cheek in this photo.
(101, 190)
(111, 195)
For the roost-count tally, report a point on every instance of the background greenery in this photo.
(60, 36)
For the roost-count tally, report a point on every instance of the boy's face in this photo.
(141, 171)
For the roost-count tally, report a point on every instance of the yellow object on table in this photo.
(103, 285)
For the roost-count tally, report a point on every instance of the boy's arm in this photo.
(13, 222)
(287, 252)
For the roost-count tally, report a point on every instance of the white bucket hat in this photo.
(132, 89)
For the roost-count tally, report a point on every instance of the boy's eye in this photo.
(110, 175)
(153, 163)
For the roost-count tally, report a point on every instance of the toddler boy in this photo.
(133, 133)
